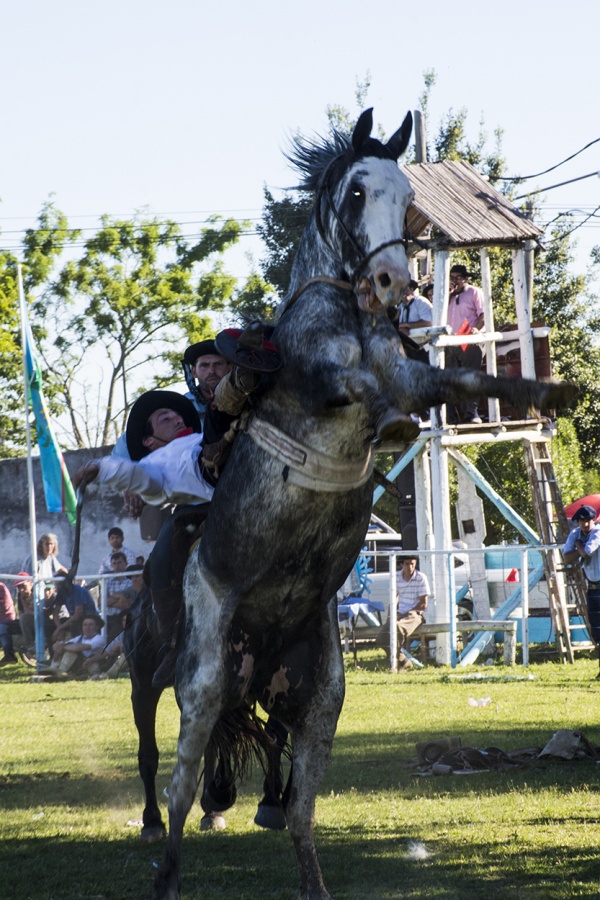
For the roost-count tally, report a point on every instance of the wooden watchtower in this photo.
(456, 208)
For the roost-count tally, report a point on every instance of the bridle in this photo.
(324, 192)
(363, 258)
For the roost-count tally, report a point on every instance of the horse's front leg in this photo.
(200, 689)
(144, 700)
(312, 741)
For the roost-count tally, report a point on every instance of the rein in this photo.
(325, 279)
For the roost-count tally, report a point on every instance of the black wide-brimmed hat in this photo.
(202, 348)
(143, 408)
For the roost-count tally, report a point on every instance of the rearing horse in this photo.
(291, 508)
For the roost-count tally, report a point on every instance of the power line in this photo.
(552, 186)
(551, 169)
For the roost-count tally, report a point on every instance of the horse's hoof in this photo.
(396, 427)
(272, 817)
(213, 822)
(153, 833)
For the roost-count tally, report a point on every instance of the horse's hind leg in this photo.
(270, 813)
(200, 709)
(200, 693)
(312, 742)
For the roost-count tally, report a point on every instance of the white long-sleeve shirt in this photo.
(170, 474)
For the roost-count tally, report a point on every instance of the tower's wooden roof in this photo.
(465, 210)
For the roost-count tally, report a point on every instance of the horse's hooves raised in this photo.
(394, 426)
(272, 817)
(153, 833)
(213, 822)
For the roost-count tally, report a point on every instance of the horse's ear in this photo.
(362, 130)
(398, 142)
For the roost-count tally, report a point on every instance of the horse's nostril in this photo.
(384, 280)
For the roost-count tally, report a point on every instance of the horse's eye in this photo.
(356, 193)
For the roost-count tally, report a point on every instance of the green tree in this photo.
(133, 292)
(41, 248)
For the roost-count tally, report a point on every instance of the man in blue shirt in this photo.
(582, 546)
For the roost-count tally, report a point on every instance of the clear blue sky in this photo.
(183, 108)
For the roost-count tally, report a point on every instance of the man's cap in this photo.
(143, 408)
(584, 512)
(202, 348)
(23, 576)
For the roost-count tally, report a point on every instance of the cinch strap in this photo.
(306, 467)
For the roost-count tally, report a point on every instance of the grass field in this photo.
(70, 798)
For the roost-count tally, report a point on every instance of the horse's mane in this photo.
(311, 156)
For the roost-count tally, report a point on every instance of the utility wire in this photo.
(562, 237)
(552, 186)
(551, 169)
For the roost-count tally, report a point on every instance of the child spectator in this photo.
(115, 539)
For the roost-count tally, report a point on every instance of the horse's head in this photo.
(360, 208)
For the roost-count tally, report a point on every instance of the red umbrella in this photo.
(592, 500)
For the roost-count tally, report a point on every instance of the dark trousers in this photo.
(456, 358)
(167, 561)
(593, 607)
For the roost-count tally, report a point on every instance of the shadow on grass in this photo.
(357, 865)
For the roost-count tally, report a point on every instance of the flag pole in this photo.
(37, 588)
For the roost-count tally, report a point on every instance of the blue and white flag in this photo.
(58, 490)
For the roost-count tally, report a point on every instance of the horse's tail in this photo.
(239, 739)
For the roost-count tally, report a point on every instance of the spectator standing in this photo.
(48, 566)
(582, 545)
(116, 539)
(414, 311)
(8, 626)
(465, 316)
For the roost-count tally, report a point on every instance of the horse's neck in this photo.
(312, 260)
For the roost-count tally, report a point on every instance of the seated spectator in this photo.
(71, 657)
(119, 594)
(26, 613)
(115, 539)
(139, 562)
(412, 592)
(48, 566)
(8, 626)
(68, 610)
(112, 661)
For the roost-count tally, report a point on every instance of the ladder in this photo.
(566, 586)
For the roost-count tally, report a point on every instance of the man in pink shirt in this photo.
(465, 316)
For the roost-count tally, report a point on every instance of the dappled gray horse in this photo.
(291, 509)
